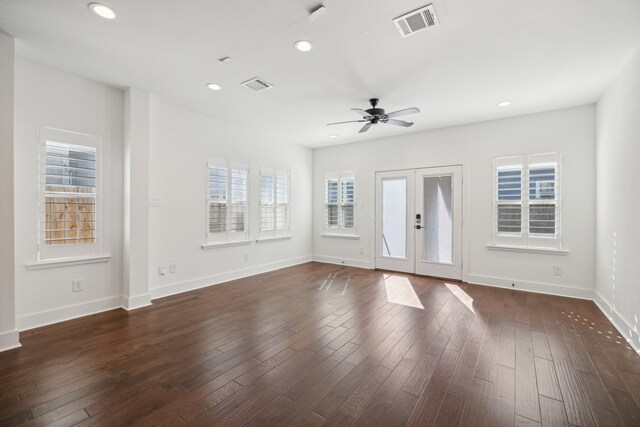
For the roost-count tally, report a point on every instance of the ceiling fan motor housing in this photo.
(375, 111)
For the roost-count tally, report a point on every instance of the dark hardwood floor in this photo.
(319, 344)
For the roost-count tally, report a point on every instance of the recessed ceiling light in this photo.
(303, 45)
(504, 104)
(333, 136)
(101, 10)
(213, 86)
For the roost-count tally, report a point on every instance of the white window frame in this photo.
(76, 250)
(340, 228)
(525, 239)
(269, 202)
(227, 235)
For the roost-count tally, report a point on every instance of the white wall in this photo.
(52, 98)
(135, 280)
(181, 143)
(618, 207)
(8, 332)
(570, 132)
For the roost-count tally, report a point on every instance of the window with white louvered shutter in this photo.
(227, 201)
(527, 200)
(70, 196)
(340, 203)
(274, 203)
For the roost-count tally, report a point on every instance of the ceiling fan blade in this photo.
(398, 123)
(350, 121)
(360, 111)
(365, 128)
(404, 112)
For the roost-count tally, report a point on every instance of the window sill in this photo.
(534, 250)
(341, 236)
(225, 244)
(64, 262)
(273, 239)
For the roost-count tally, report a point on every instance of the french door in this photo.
(419, 221)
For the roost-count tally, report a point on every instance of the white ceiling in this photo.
(542, 55)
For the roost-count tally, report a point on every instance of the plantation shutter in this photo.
(543, 196)
(282, 203)
(508, 200)
(267, 203)
(340, 201)
(527, 200)
(332, 201)
(70, 194)
(274, 203)
(70, 213)
(239, 209)
(217, 198)
(347, 202)
(227, 201)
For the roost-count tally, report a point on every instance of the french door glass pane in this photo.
(438, 220)
(394, 218)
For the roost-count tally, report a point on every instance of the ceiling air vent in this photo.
(416, 21)
(257, 84)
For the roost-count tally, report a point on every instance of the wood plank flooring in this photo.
(320, 344)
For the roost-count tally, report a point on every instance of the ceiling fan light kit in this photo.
(375, 115)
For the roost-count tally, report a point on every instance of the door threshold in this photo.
(419, 275)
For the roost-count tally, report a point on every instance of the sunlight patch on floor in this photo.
(461, 295)
(400, 291)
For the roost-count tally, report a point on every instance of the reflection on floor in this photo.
(400, 291)
(462, 296)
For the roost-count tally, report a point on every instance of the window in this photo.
(340, 203)
(274, 203)
(527, 200)
(227, 201)
(70, 195)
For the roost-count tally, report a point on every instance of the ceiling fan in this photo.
(374, 115)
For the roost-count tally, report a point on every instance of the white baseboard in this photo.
(621, 324)
(203, 282)
(9, 340)
(343, 261)
(43, 318)
(523, 285)
(139, 301)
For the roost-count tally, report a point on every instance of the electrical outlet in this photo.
(76, 285)
(557, 270)
(361, 250)
(162, 270)
(172, 268)
(246, 257)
